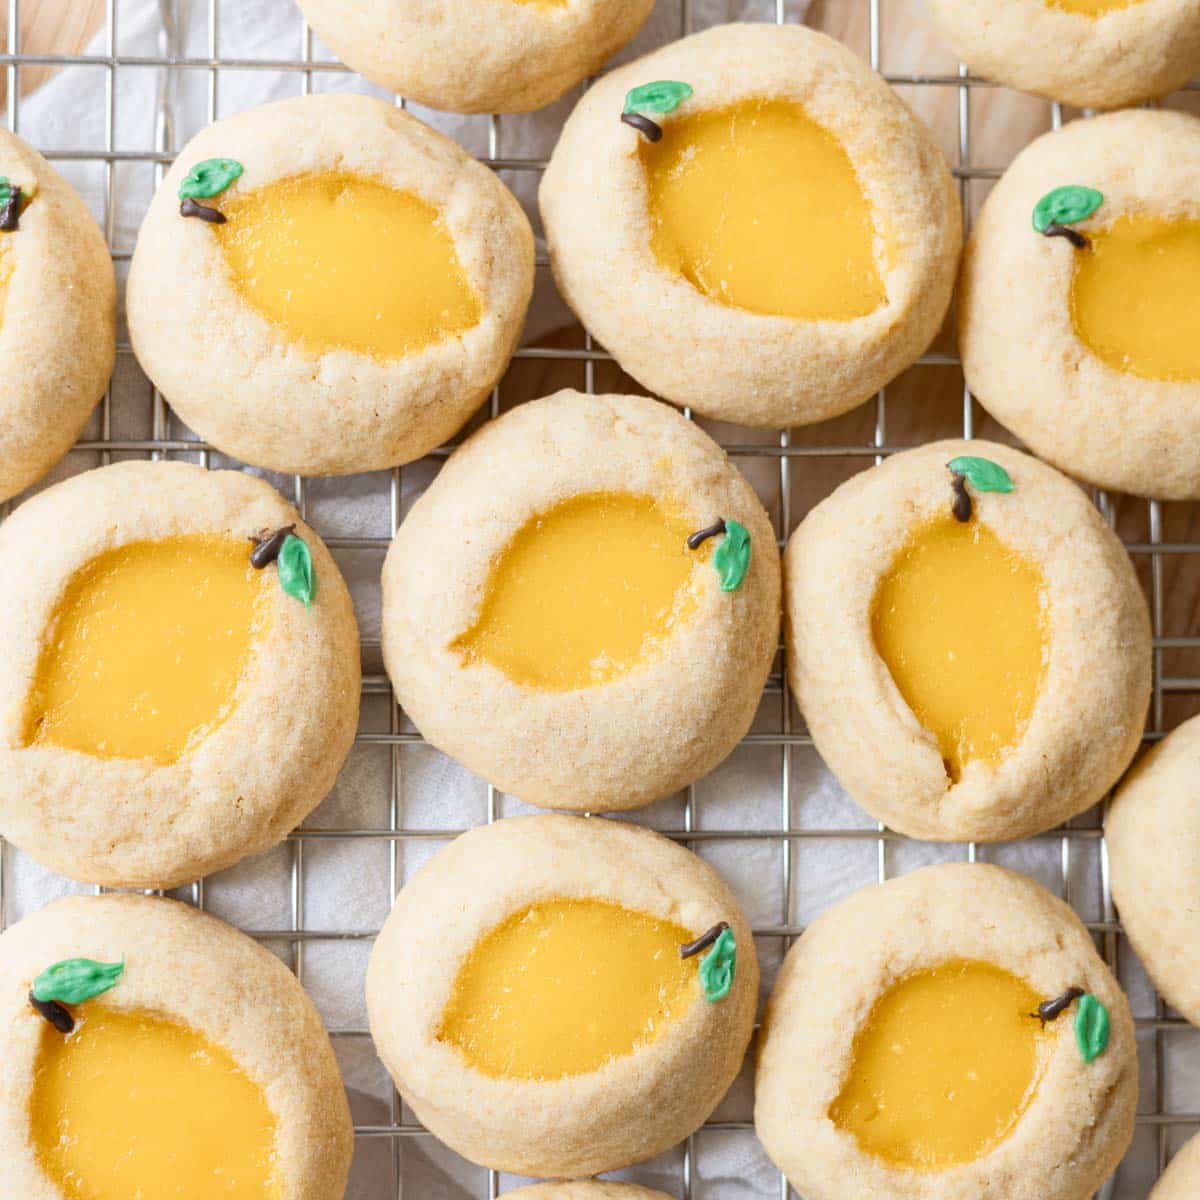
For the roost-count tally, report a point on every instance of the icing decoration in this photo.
(983, 475)
(960, 620)
(758, 207)
(11, 205)
(208, 178)
(703, 942)
(267, 546)
(697, 539)
(75, 980)
(584, 592)
(1133, 296)
(944, 1066)
(1050, 1010)
(643, 125)
(144, 651)
(296, 575)
(661, 96)
(1057, 210)
(563, 986)
(1091, 1027)
(134, 1106)
(317, 256)
(717, 967)
(54, 1012)
(732, 557)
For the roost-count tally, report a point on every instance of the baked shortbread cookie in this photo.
(941, 612)
(1090, 53)
(753, 224)
(179, 673)
(1153, 835)
(506, 56)
(324, 285)
(561, 996)
(1181, 1180)
(584, 606)
(1077, 317)
(59, 297)
(944, 1036)
(147, 1049)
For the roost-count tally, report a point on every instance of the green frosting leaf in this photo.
(1091, 1027)
(296, 575)
(661, 96)
(209, 178)
(732, 556)
(1065, 206)
(6, 188)
(75, 980)
(717, 967)
(982, 474)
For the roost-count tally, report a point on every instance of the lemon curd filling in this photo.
(758, 207)
(960, 621)
(584, 591)
(562, 986)
(145, 649)
(344, 262)
(134, 1107)
(1133, 296)
(1091, 8)
(945, 1065)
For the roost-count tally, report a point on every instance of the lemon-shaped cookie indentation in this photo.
(1133, 296)
(759, 207)
(144, 652)
(344, 262)
(959, 618)
(944, 1066)
(132, 1105)
(584, 592)
(563, 986)
(1090, 8)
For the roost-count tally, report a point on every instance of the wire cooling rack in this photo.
(395, 1157)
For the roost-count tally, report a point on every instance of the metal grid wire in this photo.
(1151, 548)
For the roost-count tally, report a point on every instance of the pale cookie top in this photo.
(1153, 834)
(191, 969)
(1114, 398)
(1089, 53)
(628, 732)
(1181, 1180)
(636, 1103)
(58, 336)
(1080, 1117)
(1079, 600)
(266, 755)
(323, 403)
(753, 365)
(501, 56)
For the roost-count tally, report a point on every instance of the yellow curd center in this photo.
(133, 1107)
(758, 207)
(1091, 8)
(1133, 296)
(343, 262)
(959, 621)
(944, 1067)
(144, 653)
(584, 591)
(561, 987)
